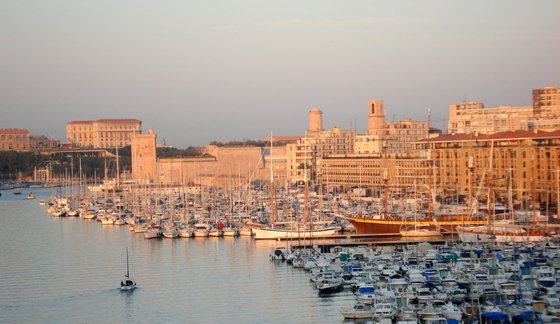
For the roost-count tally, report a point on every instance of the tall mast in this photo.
(305, 181)
(272, 189)
(117, 149)
(127, 270)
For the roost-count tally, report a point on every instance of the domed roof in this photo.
(315, 109)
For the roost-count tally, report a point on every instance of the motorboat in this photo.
(358, 311)
(214, 232)
(384, 310)
(429, 312)
(30, 196)
(451, 311)
(200, 230)
(186, 232)
(365, 293)
(278, 254)
(107, 220)
(170, 232)
(330, 284)
(152, 232)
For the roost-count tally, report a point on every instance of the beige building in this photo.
(472, 117)
(102, 133)
(143, 158)
(391, 139)
(313, 147)
(546, 104)
(374, 172)
(376, 118)
(226, 167)
(526, 161)
(14, 139)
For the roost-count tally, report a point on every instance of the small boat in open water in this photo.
(127, 283)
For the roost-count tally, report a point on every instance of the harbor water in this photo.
(68, 270)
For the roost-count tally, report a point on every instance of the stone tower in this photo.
(376, 117)
(315, 120)
(144, 161)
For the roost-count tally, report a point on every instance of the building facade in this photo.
(42, 142)
(528, 162)
(102, 133)
(473, 117)
(401, 134)
(143, 158)
(546, 104)
(397, 173)
(302, 156)
(225, 167)
(14, 139)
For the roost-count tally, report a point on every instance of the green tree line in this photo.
(14, 165)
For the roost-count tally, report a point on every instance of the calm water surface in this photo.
(67, 270)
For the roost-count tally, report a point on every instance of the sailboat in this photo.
(297, 230)
(127, 283)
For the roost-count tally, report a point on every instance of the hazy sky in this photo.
(197, 71)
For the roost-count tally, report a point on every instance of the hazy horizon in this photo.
(196, 72)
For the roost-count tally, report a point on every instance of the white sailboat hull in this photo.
(474, 237)
(273, 234)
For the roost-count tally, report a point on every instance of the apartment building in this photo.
(102, 133)
(473, 117)
(374, 171)
(303, 155)
(528, 162)
(14, 139)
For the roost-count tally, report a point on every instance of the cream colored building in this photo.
(14, 139)
(546, 104)
(531, 159)
(313, 147)
(472, 117)
(143, 158)
(225, 167)
(102, 133)
(369, 144)
(391, 139)
(401, 134)
(228, 167)
(374, 172)
(396, 139)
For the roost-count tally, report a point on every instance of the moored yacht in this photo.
(200, 230)
(358, 311)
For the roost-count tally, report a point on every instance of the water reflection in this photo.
(67, 269)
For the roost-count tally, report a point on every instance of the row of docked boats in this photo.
(151, 227)
(325, 218)
(438, 284)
